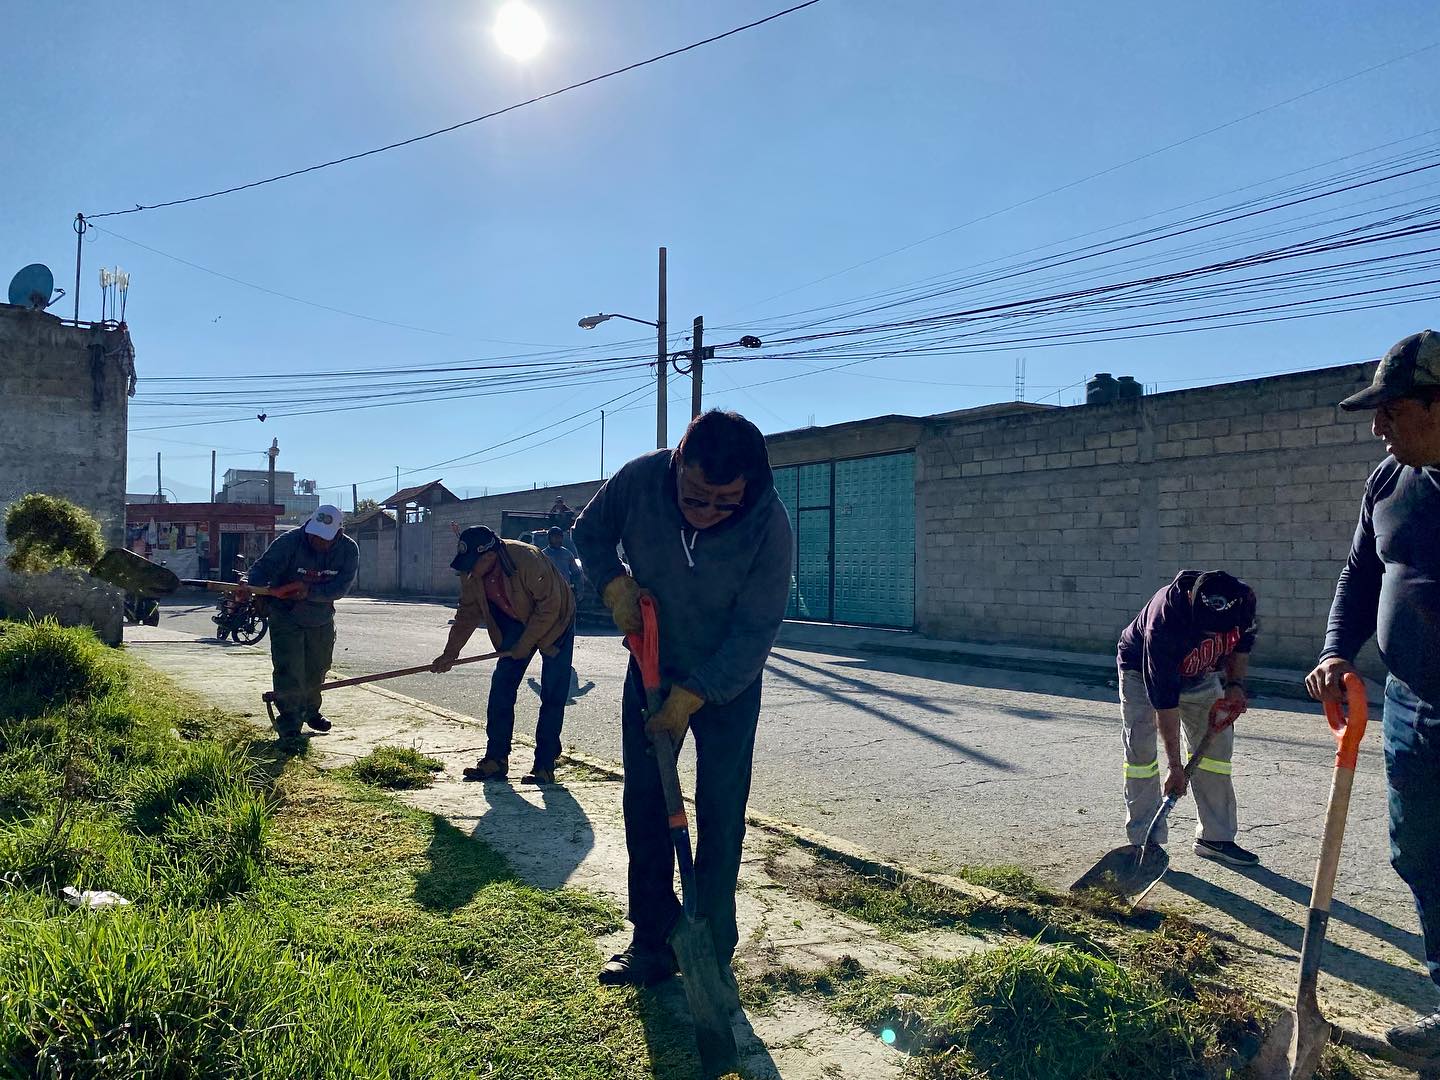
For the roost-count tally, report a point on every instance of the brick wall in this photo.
(65, 395)
(1053, 528)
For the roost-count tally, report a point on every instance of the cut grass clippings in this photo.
(284, 922)
(45, 532)
(1070, 990)
(399, 768)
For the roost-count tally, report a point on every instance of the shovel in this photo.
(360, 680)
(138, 575)
(1131, 873)
(1293, 1048)
(705, 989)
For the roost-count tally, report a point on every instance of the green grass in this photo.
(285, 922)
(396, 767)
(45, 531)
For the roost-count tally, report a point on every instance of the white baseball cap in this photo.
(325, 522)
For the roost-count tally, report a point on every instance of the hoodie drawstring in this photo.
(689, 547)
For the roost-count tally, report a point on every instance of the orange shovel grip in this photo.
(1348, 725)
(645, 646)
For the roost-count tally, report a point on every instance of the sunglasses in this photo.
(702, 504)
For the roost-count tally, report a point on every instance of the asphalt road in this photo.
(940, 765)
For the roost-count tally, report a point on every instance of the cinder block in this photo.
(1262, 440)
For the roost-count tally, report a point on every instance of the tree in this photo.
(364, 507)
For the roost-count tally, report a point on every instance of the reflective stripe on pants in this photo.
(1211, 783)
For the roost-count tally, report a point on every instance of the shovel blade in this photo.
(1124, 873)
(1293, 1048)
(709, 995)
(135, 573)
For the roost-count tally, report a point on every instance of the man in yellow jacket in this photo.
(520, 598)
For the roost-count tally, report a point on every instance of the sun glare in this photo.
(519, 30)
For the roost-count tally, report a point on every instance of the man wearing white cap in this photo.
(307, 570)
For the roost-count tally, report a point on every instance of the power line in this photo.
(1107, 171)
(298, 299)
(464, 123)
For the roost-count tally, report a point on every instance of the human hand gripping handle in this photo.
(622, 597)
(1223, 713)
(645, 647)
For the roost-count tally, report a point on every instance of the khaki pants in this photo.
(1211, 783)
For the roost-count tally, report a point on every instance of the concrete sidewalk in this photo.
(572, 835)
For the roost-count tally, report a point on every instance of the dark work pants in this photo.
(724, 750)
(300, 657)
(554, 693)
(1412, 767)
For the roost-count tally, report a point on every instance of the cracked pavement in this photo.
(937, 765)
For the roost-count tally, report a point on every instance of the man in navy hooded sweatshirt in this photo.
(1168, 658)
(705, 532)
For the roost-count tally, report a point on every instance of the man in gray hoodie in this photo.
(704, 532)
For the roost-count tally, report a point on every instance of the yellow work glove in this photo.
(622, 597)
(674, 716)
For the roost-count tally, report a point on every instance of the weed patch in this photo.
(45, 667)
(45, 532)
(396, 767)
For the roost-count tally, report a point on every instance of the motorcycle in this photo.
(241, 619)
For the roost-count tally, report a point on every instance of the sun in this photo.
(519, 30)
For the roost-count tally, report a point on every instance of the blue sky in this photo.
(763, 163)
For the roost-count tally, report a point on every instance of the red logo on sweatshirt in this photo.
(1209, 652)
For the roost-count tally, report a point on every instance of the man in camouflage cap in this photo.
(1390, 587)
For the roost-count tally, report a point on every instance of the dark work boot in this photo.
(319, 723)
(639, 967)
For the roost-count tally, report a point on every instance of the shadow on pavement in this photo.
(1404, 985)
(554, 837)
(576, 689)
(670, 1036)
(1408, 942)
(854, 701)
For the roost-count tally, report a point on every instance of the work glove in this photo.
(673, 717)
(520, 652)
(622, 597)
(442, 664)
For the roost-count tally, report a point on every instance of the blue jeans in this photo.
(554, 693)
(1412, 767)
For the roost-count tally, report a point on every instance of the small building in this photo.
(414, 507)
(201, 540)
(298, 497)
(66, 390)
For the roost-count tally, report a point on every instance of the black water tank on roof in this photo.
(1102, 389)
(1129, 388)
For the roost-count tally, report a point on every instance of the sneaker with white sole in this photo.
(1226, 851)
(1420, 1039)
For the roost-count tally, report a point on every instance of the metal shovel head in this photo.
(709, 996)
(135, 573)
(1122, 872)
(1293, 1048)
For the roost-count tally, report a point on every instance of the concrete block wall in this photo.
(65, 394)
(1053, 528)
(489, 510)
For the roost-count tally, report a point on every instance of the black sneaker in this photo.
(1226, 851)
(319, 723)
(639, 967)
(1420, 1039)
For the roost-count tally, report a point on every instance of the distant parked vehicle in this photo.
(240, 619)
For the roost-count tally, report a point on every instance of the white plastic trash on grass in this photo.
(92, 898)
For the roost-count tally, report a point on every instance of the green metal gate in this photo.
(854, 539)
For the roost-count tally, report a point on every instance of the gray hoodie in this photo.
(327, 574)
(722, 591)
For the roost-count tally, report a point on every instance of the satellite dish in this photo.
(32, 287)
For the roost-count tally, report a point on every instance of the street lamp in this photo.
(590, 322)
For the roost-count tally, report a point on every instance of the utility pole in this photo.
(354, 498)
(212, 476)
(399, 525)
(662, 363)
(270, 456)
(602, 439)
(80, 228)
(159, 491)
(697, 359)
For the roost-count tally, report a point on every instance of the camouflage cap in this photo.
(1412, 363)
